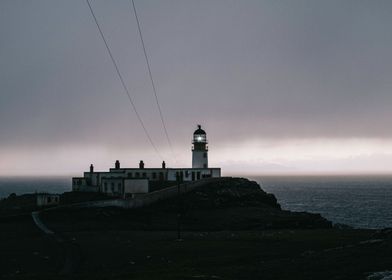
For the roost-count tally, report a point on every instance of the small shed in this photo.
(47, 199)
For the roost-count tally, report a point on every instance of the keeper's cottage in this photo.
(128, 181)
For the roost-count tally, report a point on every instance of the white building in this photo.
(47, 199)
(127, 181)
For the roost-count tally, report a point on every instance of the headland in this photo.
(227, 228)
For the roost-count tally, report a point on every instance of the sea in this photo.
(356, 201)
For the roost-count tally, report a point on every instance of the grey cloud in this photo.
(266, 68)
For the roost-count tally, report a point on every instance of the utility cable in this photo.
(122, 82)
(151, 78)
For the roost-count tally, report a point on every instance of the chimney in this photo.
(91, 168)
(163, 164)
(117, 164)
(141, 164)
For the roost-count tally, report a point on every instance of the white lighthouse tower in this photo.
(199, 149)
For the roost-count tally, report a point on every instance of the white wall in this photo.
(48, 199)
(216, 172)
(112, 186)
(204, 172)
(135, 186)
(199, 160)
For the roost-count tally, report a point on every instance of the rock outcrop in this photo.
(234, 204)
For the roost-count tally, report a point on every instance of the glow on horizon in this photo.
(289, 156)
(309, 156)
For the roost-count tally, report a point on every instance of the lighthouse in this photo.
(125, 182)
(199, 149)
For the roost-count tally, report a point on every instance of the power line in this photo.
(122, 82)
(132, 2)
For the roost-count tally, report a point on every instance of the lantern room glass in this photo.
(199, 138)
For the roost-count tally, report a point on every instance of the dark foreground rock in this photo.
(134, 254)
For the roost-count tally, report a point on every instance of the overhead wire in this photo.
(132, 3)
(123, 83)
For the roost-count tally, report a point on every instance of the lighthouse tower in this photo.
(200, 149)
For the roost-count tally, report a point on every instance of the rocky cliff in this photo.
(234, 203)
(227, 204)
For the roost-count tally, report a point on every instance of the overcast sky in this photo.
(280, 86)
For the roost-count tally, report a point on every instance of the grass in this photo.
(156, 254)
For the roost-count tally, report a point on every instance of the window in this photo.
(154, 175)
(205, 155)
(205, 165)
(144, 175)
(137, 174)
(49, 199)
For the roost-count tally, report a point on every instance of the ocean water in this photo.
(358, 201)
(22, 185)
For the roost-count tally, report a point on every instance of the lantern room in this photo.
(199, 136)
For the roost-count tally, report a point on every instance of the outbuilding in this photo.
(47, 199)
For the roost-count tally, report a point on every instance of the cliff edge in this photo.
(227, 204)
(234, 204)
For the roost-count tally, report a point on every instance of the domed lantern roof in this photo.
(199, 130)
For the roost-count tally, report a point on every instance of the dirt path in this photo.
(71, 250)
(38, 222)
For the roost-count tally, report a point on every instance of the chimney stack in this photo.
(91, 168)
(141, 164)
(117, 164)
(163, 164)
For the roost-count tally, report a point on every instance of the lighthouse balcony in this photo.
(198, 148)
